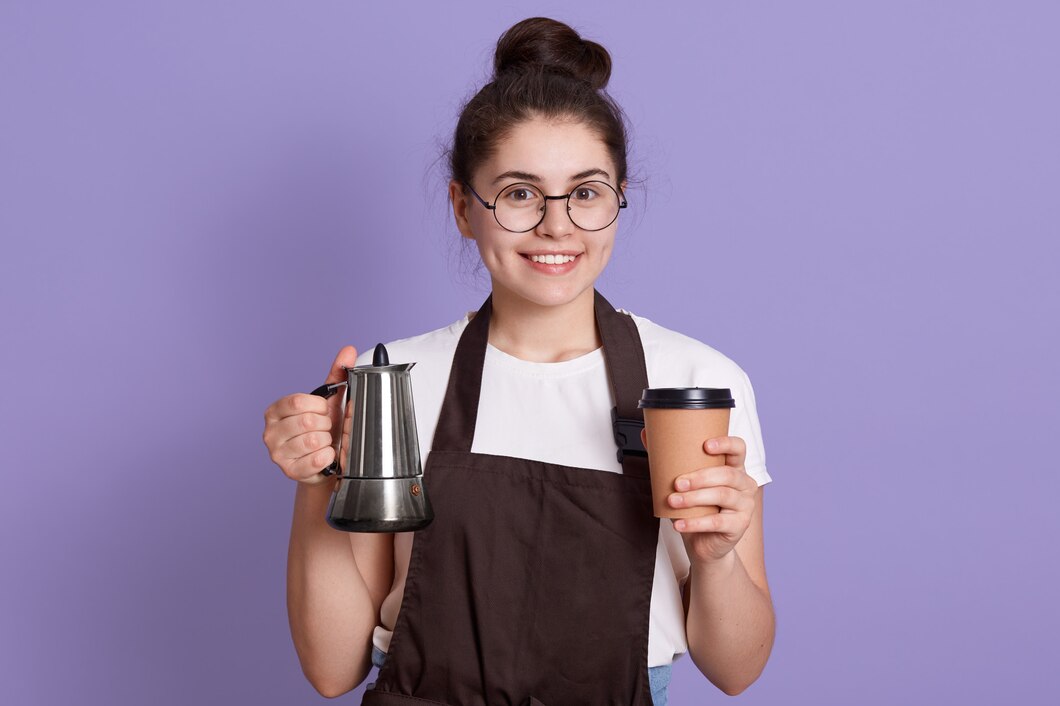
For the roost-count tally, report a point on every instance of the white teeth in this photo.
(552, 259)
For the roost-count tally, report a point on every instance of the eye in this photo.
(585, 193)
(520, 195)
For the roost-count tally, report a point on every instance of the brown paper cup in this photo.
(675, 438)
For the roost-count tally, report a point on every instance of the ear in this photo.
(461, 204)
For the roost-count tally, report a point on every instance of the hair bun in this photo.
(540, 42)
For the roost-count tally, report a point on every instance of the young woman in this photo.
(544, 577)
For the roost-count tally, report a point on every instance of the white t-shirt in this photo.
(560, 413)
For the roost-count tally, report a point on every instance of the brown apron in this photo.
(533, 583)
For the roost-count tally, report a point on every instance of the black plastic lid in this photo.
(380, 357)
(687, 398)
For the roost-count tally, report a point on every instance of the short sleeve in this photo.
(744, 423)
(676, 360)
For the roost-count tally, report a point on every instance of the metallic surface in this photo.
(380, 488)
(379, 437)
(379, 505)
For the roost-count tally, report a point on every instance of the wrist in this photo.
(722, 566)
(315, 495)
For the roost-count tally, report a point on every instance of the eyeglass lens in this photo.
(592, 205)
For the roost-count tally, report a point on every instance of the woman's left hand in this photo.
(712, 537)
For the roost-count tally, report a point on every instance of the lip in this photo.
(550, 252)
(558, 269)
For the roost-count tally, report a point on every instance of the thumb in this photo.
(346, 358)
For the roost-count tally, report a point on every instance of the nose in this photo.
(557, 222)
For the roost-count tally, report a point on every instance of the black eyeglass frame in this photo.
(493, 207)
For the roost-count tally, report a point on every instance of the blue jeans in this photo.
(658, 677)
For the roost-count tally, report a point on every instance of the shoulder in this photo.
(676, 359)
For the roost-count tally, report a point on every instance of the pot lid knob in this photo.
(380, 357)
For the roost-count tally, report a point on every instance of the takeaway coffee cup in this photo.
(677, 420)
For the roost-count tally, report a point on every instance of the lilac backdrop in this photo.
(200, 202)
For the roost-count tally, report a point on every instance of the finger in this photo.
(310, 465)
(721, 496)
(714, 475)
(293, 450)
(292, 405)
(303, 402)
(347, 358)
(727, 523)
(733, 447)
(303, 444)
(280, 432)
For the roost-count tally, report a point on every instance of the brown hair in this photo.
(541, 68)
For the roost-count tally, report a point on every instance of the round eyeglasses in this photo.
(591, 205)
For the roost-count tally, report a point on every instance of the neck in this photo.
(543, 334)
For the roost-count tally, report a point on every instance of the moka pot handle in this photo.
(327, 390)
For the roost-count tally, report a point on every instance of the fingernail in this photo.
(676, 499)
(679, 524)
(683, 484)
(712, 445)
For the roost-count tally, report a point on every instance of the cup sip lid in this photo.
(686, 398)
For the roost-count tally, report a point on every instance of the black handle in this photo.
(327, 390)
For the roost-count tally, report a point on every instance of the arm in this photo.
(336, 582)
(730, 623)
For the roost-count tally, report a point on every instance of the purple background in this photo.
(201, 202)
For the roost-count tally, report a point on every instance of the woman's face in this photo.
(555, 157)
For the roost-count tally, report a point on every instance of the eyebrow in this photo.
(526, 176)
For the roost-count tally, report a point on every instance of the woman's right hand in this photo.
(298, 428)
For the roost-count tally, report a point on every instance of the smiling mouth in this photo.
(551, 259)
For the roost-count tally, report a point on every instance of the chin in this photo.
(551, 295)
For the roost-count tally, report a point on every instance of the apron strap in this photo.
(626, 374)
(456, 423)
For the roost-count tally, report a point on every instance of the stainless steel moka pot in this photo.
(377, 455)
